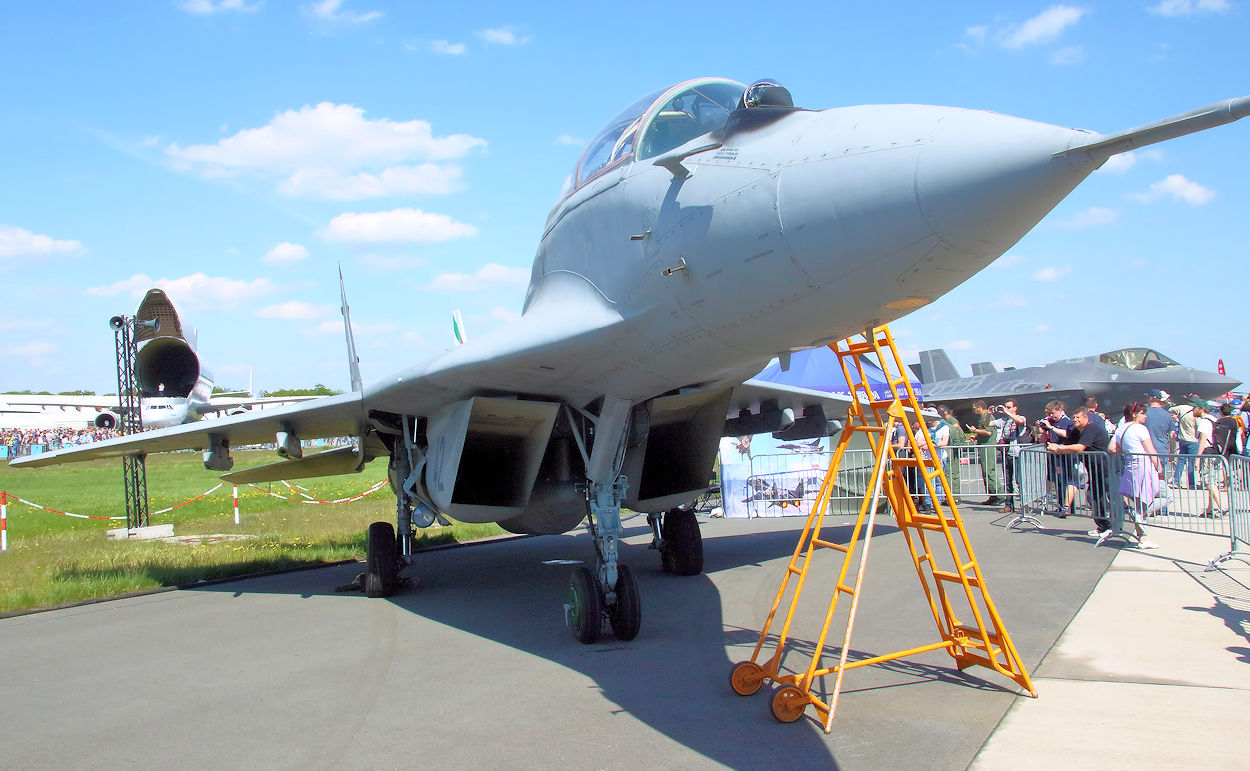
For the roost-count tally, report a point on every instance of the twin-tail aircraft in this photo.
(707, 228)
(173, 385)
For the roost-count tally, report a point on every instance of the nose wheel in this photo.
(381, 560)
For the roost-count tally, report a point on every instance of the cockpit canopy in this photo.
(659, 122)
(1137, 359)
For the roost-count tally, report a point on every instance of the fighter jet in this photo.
(709, 227)
(1115, 378)
(174, 386)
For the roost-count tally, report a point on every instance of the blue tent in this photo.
(818, 370)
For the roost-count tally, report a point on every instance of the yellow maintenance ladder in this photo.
(945, 575)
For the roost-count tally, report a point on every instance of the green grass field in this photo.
(54, 559)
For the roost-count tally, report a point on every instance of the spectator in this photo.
(1060, 429)
(1187, 440)
(1015, 433)
(986, 437)
(951, 463)
(1141, 480)
(1089, 436)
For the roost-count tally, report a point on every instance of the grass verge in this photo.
(54, 559)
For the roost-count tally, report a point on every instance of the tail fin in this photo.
(936, 366)
(983, 368)
(353, 361)
(457, 328)
(1103, 147)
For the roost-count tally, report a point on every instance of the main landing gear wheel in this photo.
(682, 554)
(626, 614)
(789, 703)
(746, 678)
(584, 606)
(381, 560)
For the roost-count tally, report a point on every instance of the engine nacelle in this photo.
(554, 508)
(166, 366)
(106, 419)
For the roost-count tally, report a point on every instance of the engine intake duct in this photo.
(168, 362)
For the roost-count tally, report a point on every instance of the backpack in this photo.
(1224, 435)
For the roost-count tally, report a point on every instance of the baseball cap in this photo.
(1155, 393)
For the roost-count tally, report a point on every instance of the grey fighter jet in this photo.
(1115, 378)
(709, 227)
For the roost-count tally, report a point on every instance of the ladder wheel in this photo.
(789, 703)
(746, 678)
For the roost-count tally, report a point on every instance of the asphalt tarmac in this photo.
(473, 666)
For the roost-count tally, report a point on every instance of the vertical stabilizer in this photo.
(936, 366)
(983, 368)
(457, 328)
(353, 361)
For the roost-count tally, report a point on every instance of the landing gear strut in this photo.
(610, 590)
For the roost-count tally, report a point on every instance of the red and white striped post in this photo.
(236, 504)
(4, 521)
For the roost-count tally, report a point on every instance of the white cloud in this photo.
(1042, 28)
(1041, 328)
(396, 225)
(569, 140)
(1092, 217)
(286, 253)
(1050, 273)
(196, 290)
(1118, 164)
(397, 180)
(18, 242)
(1178, 187)
(506, 315)
(314, 146)
(974, 38)
(505, 36)
(1068, 55)
(1007, 261)
(295, 310)
(36, 349)
(492, 273)
(359, 330)
(328, 10)
(1010, 300)
(447, 47)
(207, 7)
(1189, 7)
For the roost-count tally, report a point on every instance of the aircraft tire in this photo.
(583, 606)
(626, 614)
(683, 544)
(381, 560)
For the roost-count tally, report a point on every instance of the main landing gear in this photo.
(610, 591)
(679, 542)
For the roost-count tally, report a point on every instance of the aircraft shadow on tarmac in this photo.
(674, 676)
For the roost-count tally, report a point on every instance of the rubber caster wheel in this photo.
(626, 614)
(583, 606)
(381, 560)
(746, 678)
(789, 703)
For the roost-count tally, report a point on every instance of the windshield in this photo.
(1137, 359)
(688, 110)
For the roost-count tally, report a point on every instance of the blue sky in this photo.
(236, 151)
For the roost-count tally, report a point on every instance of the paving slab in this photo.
(473, 665)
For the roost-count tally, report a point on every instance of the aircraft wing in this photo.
(327, 416)
(758, 406)
(35, 402)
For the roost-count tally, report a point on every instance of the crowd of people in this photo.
(19, 441)
(1086, 449)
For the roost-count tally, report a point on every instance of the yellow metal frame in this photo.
(975, 644)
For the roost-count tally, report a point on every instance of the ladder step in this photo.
(944, 575)
(830, 545)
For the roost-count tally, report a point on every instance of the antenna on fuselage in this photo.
(353, 361)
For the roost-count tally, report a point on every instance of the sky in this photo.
(236, 153)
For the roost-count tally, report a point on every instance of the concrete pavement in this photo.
(1154, 671)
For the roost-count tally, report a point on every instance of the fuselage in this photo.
(793, 231)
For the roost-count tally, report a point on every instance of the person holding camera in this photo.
(1061, 430)
(985, 435)
(1014, 433)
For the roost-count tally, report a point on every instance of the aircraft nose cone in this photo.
(985, 179)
